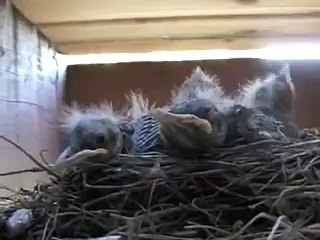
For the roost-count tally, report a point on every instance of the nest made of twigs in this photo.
(263, 190)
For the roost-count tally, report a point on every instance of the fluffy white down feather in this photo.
(138, 105)
(248, 95)
(202, 85)
(72, 115)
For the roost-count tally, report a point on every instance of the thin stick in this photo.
(21, 171)
(35, 161)
(275, 227)
(300, 144)
(99, 238)
(42, 156)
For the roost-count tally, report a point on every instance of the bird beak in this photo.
(65, 160)
(66, 153)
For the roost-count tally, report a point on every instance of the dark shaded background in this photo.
(94, 83)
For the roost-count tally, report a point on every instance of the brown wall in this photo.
(93, 83)
(29, 82)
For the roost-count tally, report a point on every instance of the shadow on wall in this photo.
(87, 84)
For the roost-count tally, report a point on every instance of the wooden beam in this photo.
(140, 46)
(205, 28)
(53, 11)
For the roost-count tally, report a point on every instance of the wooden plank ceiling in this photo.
(111, 26)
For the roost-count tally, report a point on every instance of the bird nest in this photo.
(262, 190)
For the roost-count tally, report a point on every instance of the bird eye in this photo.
(100, 138)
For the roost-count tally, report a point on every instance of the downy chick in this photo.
(276, 92)
(92, 128)
(201, 85)
(269, 104)
(193, 126)
(193, 122)
(251, 124)
(143, 131)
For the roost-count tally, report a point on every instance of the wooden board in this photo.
(97, 26)
(53, 11)
(134, 46)
(140, 46)
(29, 90)
(183, 29)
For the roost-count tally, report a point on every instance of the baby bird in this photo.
(201, 85)
(251, 124)
(143, 131)
(90, 129)
(193, 126)
(193, 122)
(276, 92)
(267, 107)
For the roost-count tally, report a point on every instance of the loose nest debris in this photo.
(264, 190)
